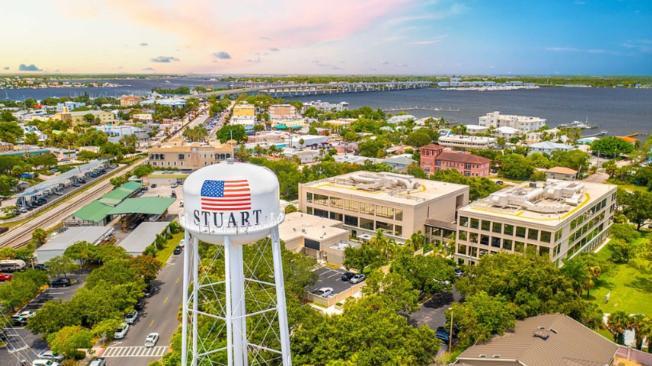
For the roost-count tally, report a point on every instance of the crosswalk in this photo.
(134, 351)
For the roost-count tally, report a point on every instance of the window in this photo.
(461, 249)
(398, 230)
(464, 221)
(497, 227)
(383, 211)
(507, 244)
(351, 220)
(383, 226)
(509, 229)
(519, 247)
(399, 214)
(486, 225)
(366, 224)
(181, 156)
(473, 238)
(309, 210)
(475, 223)
(337, 202)
(366, 208)
(321, 213)
(462, 235)
(558, 235)
(320, 199)
(309, 197)
(533, 234)
(520, 232)
(545, 236)
(495, 242)
(544, 251)
(336, 216)
(484, 239)
(473, 251)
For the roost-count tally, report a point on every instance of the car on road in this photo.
(45, 363)
(324, 292)
(49, 355)
(121, 332)
(178, 250)
(151, 339)
(346, 276)
(61, 282)
(97, 362)
(5, 277)
(131, 317)
(357, 278)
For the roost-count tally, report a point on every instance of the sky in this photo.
(590, 37)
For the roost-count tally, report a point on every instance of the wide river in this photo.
(617, 110)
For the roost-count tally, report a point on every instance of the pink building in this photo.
(435, 157)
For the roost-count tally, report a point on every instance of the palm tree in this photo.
(636, 323)
(617, 323)
(646, 331)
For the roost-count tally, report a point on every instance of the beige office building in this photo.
(556, 219)
(79, 116)
(399, 205)
(313, 235)
(189, 156)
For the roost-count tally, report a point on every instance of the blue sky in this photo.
(329, 37)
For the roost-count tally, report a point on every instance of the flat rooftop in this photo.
(61, 241)
(391, 187)
(544, 203)
(298, 224)
(144, 235)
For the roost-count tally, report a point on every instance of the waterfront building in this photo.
(548, 147)
(399, 205)
(80, 116)
(554, 219)
(467, 142)
(521, 123)
(129, 100)
(69, 106)
(326, 106)
(282, 112)
(435, 157)
(507, 132)
(189, 156)
(476, 129)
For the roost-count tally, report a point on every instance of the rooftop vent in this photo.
(495, 356)
(554, 330)
(543, 334)
(482, 355)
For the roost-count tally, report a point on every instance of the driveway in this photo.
(159, 315)
(434, 317)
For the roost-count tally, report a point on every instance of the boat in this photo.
(578, 124)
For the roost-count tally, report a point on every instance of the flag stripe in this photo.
(226, 195)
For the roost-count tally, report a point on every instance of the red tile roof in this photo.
(461, 157)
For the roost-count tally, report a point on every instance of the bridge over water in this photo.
(287, 89)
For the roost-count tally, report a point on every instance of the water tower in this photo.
(232, 205)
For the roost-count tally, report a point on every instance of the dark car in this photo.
(61, 282)
(442, 334)
(178, 250)
(459, 272)
(150, 290)
(346, 276)
(140, 305)
(41, 267)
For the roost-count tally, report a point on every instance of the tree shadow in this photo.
(642, 283)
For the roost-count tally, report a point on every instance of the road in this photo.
(21, 234)
(160, 315)
(23, 344)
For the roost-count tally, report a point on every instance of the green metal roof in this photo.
(119, 194)
(143, 205)
(95, 211)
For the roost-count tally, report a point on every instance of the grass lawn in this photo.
(631, 288)
(164, 254)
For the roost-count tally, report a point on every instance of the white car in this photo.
(121, 332)
(44, 363)
(131, 317)
(49, 355)
(324, 292)
(151, 340)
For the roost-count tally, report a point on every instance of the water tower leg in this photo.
(236, 302)
(280, 298)
(195, 298)
(184, 301)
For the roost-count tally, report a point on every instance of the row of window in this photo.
(355, 206)
(588, 214)
(508, 229)
(516, 247)
(361, 222)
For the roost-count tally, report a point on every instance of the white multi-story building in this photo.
(555, 219)
(521, 123)
(467, 142)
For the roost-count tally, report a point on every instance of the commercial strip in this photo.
(399, 205)
(555, 219)
(59, 242)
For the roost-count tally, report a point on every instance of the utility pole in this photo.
(450, 334)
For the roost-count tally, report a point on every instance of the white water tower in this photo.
(232, 205)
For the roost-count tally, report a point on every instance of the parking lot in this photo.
(331, 278)
(23, 344)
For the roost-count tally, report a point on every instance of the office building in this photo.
(521, 123)
(467, 142)
(399, 205)
(312, 235)
(555, 219)
(189, 156)
(435, 157)
(79, 117)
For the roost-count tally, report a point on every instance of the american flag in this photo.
(225, 195)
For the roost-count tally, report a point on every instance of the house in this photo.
(544, 340)
(548, 147)
(435, 157)
(561, 173)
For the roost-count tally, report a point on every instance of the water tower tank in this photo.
(232, 199)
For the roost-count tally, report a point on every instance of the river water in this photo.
(619, 111)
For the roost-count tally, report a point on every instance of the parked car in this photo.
(45, 363)
(346, 276)
(21, 318)
(151, 340)
(97, 362)
(61, 282)
(121, 332)
(140, 305)
(41, 267)
(150, 290)
(178, 250)
(49, 355)
(324, 292)
(357, 278)
(131, 317)
(442, 334)
(459, 272)
(6, 277)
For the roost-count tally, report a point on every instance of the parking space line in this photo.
(134, 351)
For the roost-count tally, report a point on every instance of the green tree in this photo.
(617, 323)
(481, 317)
(232, 132)
(68, 340)
(53, 316)
(105, 329)
(146, 267)
(61, 265)
(10, 132)
(7, 185)
(621, 251)
(637, 206)
(419, 138)
(427, 274)
(611, 146)
(83, 252)
(394, 287)
(515, 166)
(364, 258)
